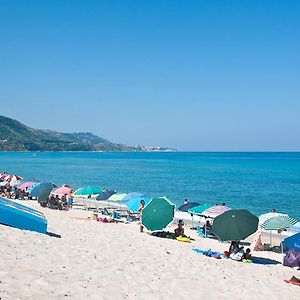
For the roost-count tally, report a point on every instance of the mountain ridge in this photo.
(16, 136)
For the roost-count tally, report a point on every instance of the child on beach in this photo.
(247, 255)
(140, 215)
(179, 231)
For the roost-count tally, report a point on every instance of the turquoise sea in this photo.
(255, 181)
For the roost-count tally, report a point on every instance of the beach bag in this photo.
(292, 259)
(237, 256)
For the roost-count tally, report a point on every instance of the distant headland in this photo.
(15, 136)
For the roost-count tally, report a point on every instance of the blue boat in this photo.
(20, 216)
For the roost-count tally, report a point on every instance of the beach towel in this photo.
(209, 253)
(294, 280)
(164, 234)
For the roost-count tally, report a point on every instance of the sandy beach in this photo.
(93, 260)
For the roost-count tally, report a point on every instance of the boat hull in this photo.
(20, 216)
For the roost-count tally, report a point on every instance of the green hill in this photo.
(15, 136)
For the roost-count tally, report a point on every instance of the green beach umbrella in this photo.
(158, 213)
(235, 225)
(198, 210)
(89, 190)
(278, 222)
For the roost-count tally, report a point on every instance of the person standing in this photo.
(142, 205)
(70, 199)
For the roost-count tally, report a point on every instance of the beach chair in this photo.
(204, 233)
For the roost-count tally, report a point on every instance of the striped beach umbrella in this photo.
(215, 211)
(264, 217)
(278, 222)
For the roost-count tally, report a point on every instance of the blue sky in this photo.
(194, 75)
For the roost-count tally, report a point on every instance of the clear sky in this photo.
(194, 75)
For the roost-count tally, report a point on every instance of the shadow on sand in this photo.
(52, 234)
(265, 261)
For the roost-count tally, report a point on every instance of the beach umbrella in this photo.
(31, 187)
(198, 210)
(105, 195)
(44, 193)
(40, 188)
(12, 177)
(134, 204)
(215, 211)
(14, 183)
(292, 243)
(132, 195)
(62, 191)
(23, 186)
(264, 217)
(89, 190)
(117, 197)
(235, 225)
(158, 213)
(185, 207)
(2, 176)
(278, 223)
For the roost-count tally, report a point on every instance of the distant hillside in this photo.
(15, 136)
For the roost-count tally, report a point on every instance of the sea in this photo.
(258, 181)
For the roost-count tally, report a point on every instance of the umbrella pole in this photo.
(192, 221)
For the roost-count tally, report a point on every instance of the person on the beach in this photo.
(247, 254)
(179, 231)
(142, 205)
(58, 202)
(234, 247)
(185, 201)
(70, 199)
(206, 228)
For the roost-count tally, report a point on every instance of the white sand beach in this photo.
(94, 260)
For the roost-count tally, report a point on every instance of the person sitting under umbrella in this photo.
(206, 229)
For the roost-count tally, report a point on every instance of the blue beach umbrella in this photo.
(292, 243)
(105, 195)
(185, 207)
(30, 188)
(134, 204)
(39, 188)
(132, 195)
